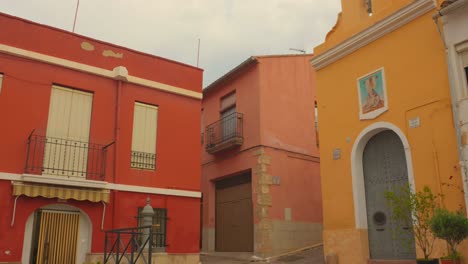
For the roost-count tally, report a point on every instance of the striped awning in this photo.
(48, 191)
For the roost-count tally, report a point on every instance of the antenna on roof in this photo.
(76, 14)
(298, 50)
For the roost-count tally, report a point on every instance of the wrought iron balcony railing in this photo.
(143, 160)
(65, 157)
(225, 133)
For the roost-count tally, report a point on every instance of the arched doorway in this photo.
(385, 169)
(57, 234)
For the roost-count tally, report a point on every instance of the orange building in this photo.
(260, 164)
(90, 130)
(386, 121)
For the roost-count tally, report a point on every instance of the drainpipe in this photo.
(453, 95)
(448, 9)
(120, 75)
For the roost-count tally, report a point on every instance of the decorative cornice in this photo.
(405, 15)
(96, 71)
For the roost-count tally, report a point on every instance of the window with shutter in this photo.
(145, 118)
(228, 116)
(464, 56)
(68, 124)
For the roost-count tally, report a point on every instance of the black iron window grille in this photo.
(228, 128)
(159, 227)
(143, 160)
(65, 157)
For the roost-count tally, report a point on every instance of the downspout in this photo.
(116, 147)
(120, 75)
(453, 95)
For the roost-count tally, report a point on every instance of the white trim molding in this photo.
(357, 173)
(73, 65)
(56, 180)
(153, 190)
(66, 181)
(403, 16)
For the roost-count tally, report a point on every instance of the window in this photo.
(228, 116)
(145, 118)
(159, 226)
(67, 136)
(464, 57)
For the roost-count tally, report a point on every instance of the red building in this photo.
(90, 130)
(260, 163)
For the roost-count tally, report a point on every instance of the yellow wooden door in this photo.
(66, 146)
(58, 237)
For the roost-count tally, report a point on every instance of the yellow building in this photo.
(385, 121)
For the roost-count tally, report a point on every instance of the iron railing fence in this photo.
(127, 245)
(65, 157)
(228, 128)
(143, 160)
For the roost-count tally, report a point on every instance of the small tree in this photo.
(416, 208)
(451, 227)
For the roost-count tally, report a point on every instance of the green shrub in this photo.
(451, 227)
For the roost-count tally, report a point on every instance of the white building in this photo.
(452, 20)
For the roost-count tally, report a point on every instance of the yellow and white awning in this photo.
(48, 191)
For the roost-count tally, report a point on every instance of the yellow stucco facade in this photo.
(401, 39)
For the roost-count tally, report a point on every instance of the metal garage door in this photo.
(234, 214)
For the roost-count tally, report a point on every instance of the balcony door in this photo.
(67, 138)
(228, 123)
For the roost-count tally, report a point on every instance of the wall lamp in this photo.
(369, 7)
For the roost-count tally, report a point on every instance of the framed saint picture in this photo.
(372, 94)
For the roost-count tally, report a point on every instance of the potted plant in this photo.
(451, 227)
(416, 208)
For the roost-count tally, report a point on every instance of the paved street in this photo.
(311, 256)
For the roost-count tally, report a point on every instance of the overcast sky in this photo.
(230, 30)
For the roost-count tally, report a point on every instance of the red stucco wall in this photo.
(24, 106)
(276, 94)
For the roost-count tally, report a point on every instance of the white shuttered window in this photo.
(66, 148)
(464, 56)
(145, 119)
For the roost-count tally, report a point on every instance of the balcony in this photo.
(65, 158)
(225, 133)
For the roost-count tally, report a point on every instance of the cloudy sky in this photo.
(229, 30)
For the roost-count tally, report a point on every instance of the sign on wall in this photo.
(372, 95)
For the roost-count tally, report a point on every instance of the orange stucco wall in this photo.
(417, 87)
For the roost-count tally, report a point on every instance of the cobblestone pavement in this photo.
(310, 256)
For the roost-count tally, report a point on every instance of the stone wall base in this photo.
(352, 246)
(288, 236)
(208, 239)
(158, 258)
(347, 245)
